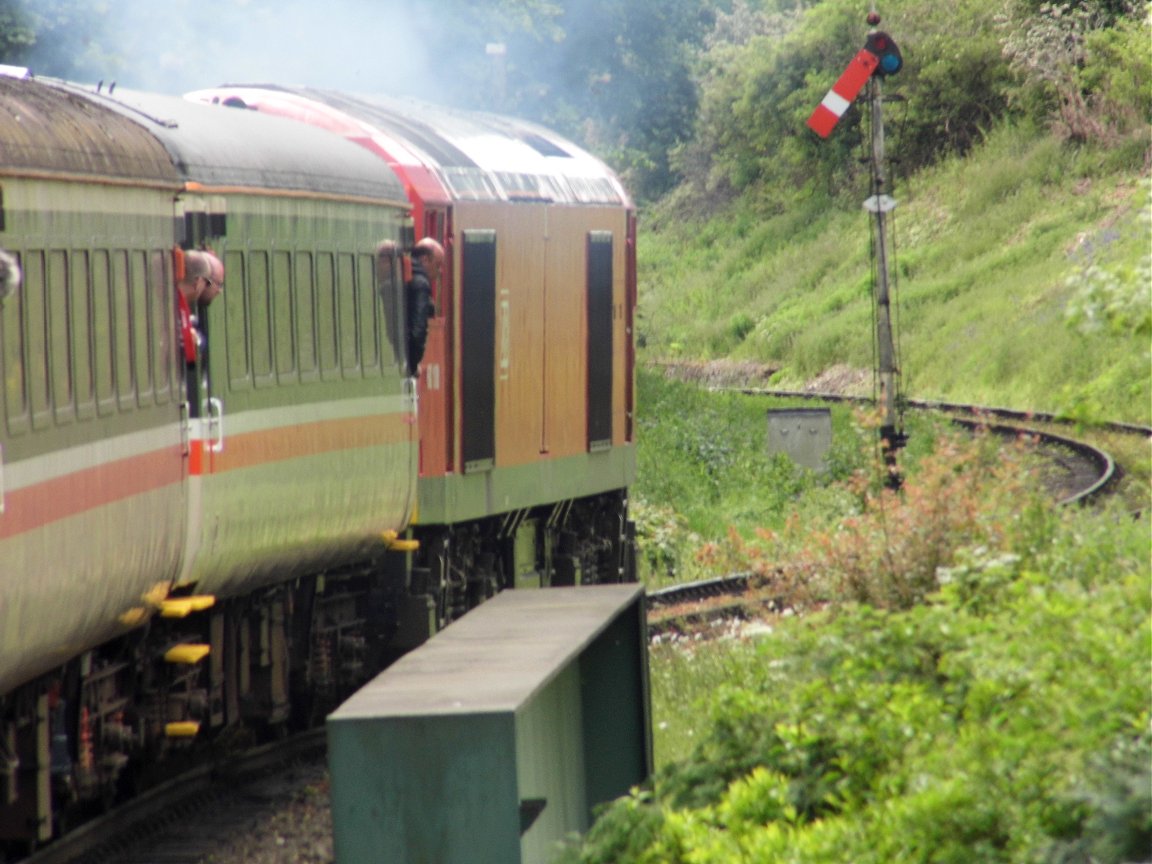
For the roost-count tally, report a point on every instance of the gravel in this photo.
(296, 829)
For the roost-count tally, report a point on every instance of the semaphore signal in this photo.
(879, 58)
(836, 102)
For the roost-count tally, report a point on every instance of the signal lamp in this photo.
(886, 51)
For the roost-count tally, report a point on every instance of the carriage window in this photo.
(59, 342)
(260, 320)
(235, 321)
(305, 315)
(141, 345)
(282, 324)
(103, 349)
(82, 334)
(366, 312)
(388, 288)
(326, 312)
(36, 332)
(122, 333)
(162, 333)
(346, 303)
(12, 354)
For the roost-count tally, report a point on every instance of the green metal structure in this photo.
(497, 738)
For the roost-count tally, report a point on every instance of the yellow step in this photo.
(182, 729)
(182, 607)
(188, 654)
(395, 544)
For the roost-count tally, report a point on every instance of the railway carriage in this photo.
(526, 399)
(93, 494)
(158, 541)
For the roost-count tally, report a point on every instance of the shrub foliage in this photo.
(982, 696)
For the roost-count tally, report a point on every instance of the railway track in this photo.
(192, 816)
(1075, 472)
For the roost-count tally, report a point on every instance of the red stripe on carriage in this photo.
(61, 497)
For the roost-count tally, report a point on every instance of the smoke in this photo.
(181, 45)
(614, 75)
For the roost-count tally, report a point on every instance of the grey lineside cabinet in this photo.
(497, 737)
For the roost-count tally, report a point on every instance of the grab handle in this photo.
(216, 421)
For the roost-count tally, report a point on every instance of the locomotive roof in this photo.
(477, 156)
(221, 147)
(48, 129)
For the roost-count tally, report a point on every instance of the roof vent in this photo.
(543, 146)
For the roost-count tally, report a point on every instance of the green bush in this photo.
(755, 96)
(1085, 67)
(1004, 719)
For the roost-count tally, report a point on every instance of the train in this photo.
(219, 518)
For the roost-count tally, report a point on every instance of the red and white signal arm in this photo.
(833, 106)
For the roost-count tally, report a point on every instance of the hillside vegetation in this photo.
(1022, 279)
(957, 672)
(1006, 720)
(1021, 242)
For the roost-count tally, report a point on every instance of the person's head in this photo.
(215, 279)
(430, 254)
(203, 277)
(197, 274)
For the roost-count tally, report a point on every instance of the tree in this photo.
(756, 92)
(1085, 68)
(16, 32)
(59, 38)
(618, 75)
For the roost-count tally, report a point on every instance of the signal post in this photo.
(879, 58)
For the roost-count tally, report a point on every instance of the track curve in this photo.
(1077, 472)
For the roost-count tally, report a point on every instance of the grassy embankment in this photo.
(961, 675)
(1013, 271)
(1008, 265)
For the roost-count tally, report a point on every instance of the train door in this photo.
(436, 371)
(599, 355)
(204, 227)
(629, 327)
(477, 350)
